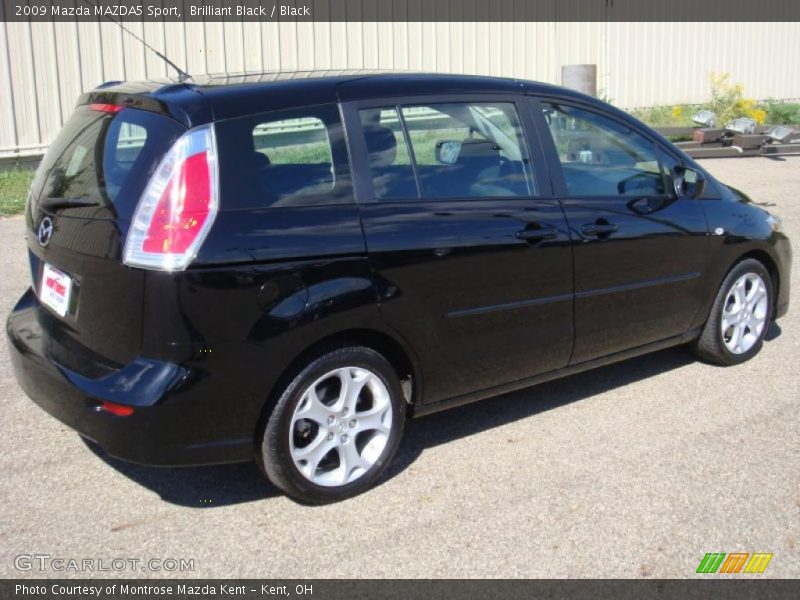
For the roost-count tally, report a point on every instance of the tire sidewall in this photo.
(275, 447)
(744, 267)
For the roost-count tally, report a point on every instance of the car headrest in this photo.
(477, 148)
(381, 145)
(260, 160)
(253, 161)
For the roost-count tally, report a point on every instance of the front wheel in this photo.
(740, 316)
(336, 426)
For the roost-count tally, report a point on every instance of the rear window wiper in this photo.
(54, 203)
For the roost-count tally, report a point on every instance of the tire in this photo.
(329, 445)
(734, 314)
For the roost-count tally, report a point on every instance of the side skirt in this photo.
(427, 409)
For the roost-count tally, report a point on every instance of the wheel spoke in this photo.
(372, 420)
(310, 456)
(350, 458)
(746, 340)
(754, 295)
(736, 337)
(353, 381)
(755, 324)
(739, 293)
(312, 408)
(754, 285)
(758, 297)
(728, 319)
(310, 450)
(732, 304)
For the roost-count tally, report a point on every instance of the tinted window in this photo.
(458, 150)
(601, 157)
(287, 158)
(302, 141)
(389, 160)
(105, 158)
(126, 142)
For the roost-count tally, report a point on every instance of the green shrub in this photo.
(728, 102)
(782, 113)
(666, 116)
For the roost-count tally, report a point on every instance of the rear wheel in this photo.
(336, 426)
(740, 316)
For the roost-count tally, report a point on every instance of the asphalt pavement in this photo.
(633, 470)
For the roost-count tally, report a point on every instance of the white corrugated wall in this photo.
(45, 66)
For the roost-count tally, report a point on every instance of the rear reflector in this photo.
(107, 108)
(117, 409)
(178, 205)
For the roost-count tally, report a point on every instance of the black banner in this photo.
(402, 10)
(390, 589)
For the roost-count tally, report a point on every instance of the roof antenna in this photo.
(182, 75)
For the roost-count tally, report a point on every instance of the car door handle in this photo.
(537, 235)
(599, 229)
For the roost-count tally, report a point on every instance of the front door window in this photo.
(601, 157)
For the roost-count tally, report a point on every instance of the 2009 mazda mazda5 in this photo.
(287, 267)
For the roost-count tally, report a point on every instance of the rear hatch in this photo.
(82, 200)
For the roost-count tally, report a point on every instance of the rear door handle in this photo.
(599, 229)
(537, 235)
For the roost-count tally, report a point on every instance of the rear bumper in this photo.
(171, 424)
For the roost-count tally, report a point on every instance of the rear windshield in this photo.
(101, 161)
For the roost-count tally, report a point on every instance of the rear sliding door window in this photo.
(285, 158)
(447, 150)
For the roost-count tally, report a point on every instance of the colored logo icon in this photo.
(734, 562)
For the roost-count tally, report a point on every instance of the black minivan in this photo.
(285, 267)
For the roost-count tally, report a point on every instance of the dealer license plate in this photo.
(55, 289)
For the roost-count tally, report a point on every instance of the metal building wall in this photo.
(45, 66)
(669, 63)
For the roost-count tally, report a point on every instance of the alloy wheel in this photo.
(341, 426)
(744, 314)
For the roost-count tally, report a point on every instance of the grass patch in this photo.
(14, 187)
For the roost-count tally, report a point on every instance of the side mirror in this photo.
(447, 152)
(688, 183)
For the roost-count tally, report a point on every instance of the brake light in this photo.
(107, 108)
(178, 205)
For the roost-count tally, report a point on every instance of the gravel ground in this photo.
(633, 470)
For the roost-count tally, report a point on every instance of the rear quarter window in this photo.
(283, 159)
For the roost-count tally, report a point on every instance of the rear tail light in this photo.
(178, 205)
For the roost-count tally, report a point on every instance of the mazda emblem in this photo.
(45, 231)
